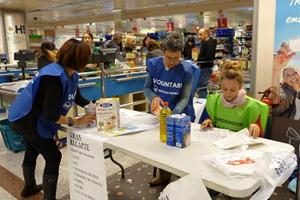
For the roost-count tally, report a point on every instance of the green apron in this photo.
(237, 118)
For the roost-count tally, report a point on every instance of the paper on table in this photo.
(237, 139)
(133, 122)
(209, 135)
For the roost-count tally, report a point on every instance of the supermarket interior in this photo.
(149, 99)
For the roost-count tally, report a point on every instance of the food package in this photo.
(108, 114)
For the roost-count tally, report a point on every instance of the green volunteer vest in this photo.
(238, 118)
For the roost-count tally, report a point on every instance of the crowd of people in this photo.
(47, 96)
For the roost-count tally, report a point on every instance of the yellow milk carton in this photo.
(108, 114)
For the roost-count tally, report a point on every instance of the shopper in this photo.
(88, 39)
(169, 79)
(47, 54)
(144, 48)
(188, 47)
(42, 106)
(116, 42)
(154, 49)
(286, 97)
(233, 109)
(206, 60)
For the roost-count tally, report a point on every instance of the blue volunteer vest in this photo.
(167, 84)
(23, 103)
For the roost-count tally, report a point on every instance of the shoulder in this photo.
(213, 97)
(254, 103)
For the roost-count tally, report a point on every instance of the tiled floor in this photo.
(10, 163)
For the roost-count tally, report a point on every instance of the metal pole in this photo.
(102, 76)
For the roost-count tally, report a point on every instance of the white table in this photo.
(145, 146)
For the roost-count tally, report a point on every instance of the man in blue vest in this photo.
(169, 79)
(41, 107)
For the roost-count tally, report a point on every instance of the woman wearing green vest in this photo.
(232, 109)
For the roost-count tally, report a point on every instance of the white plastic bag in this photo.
(189, 187)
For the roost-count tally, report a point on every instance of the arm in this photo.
(285, 101)
(148, 88)
(185, 94)
(153, 99)
(80, 100)
(52, 95)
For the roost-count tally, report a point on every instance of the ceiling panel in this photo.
(43, 12)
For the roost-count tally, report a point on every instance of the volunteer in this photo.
(42, 106)
(169, 79)
(233, 109)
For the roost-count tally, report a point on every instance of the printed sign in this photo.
(15, 33)
(86, 166)
(286, 78)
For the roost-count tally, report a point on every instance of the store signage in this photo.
(170, 26)
(286, 77)
(15, 33)
(86, 166)
(222, 22)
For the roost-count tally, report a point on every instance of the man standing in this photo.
(169, 79)
(206, 60)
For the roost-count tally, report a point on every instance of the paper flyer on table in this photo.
(208, 134)
(133, 122)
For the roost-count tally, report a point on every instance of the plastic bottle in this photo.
(164, 112)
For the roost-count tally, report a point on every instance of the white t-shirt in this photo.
(297, 103)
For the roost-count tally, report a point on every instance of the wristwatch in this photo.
(70, 121)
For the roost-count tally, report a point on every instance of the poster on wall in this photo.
(86, 166)
(285, 89)
(14, 24)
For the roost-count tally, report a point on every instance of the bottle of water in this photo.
(164, 113)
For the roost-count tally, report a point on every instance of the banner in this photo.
(86, 166)
(15, 33)
(286, 78)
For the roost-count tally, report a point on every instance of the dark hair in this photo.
(48, 51)
(144, 40)
(190, 39)
(74, 54)
(173, 42)
(231, 71)
(47, 46)
(88, 33)
(153, 44)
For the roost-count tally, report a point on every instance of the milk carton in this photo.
(182, 127)
(108, 114)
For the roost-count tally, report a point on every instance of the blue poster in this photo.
(287, 27)
(285, 90)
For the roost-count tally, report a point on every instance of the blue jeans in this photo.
(205, 74)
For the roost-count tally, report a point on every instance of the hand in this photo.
(155, 105)
(86, 119)
(207, 124)
(254, 130)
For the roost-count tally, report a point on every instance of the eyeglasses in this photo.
(172, 60)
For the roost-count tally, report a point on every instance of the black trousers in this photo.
(36, 145)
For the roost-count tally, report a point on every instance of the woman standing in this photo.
(42, 107)
(88, 39)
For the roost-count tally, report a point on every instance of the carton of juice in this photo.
(182, 127)
(108, 114)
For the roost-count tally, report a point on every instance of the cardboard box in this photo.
(108, 114)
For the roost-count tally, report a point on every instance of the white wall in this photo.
(263, 44)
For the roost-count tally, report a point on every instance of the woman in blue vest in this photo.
(42, 106)
(169, 79)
